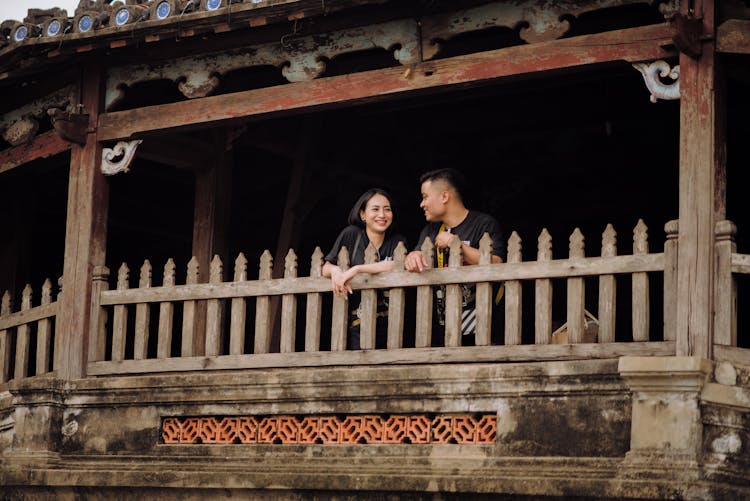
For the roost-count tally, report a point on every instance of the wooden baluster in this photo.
(576, 291)
(423, 335)
(513, 296)
(484, 296)
(120, 317)
(453, 299)
(5, 340)
(142, 316)
(98, 324)
(671, 228)
(641, 312)
(725, 290)
(314, 305)
(543, 293)
(22, 338)
(189, 310)
(166, 315)
(289, 307)
(608, 290)
(262, 308)
(340, 314)
(214, 311)
(44, 333)
(396, 303)
(239, 310)
(368, 308)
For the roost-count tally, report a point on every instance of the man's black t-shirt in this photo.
(469, 231)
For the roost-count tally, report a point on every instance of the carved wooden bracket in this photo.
(21, 125)
(652, 75)
(69, 126)
(117, 159)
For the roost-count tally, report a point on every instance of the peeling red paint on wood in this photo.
(43, 146)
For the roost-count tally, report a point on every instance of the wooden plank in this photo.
(5, 339)
(239, 310)
(453, 299)
(634, 44)
(340, 313)
(740, 264)
(120, 317)
(607, 290)
(191, 341)
(576, 293)
(396, 303)
(29, 316)
(44, 334)
(314, 307)
(262, 307)
(733, 37)
(407, 356)
(725, 289)
(98, 334)
(484, 296)
(214, 312)
(289, 308)
(44, 145)
(671, 228)
(513, 299)
(166, 315)
(22, 339)
(142, 316)
(732, 354)
(466, 274)
(543, 293)
(368, 309)
(641, 312)
(423, 335)
(85, 237)
(702, 188)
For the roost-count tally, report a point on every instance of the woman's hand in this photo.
(340, 280)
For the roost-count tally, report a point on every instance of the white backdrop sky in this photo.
(16, 9)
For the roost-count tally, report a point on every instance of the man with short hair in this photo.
(444, 209)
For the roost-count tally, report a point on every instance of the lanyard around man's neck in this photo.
(440, 254)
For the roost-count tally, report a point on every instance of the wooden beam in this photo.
(85, 238)
(635, 44)
(733, 37)
(702, 187)
(42, 146)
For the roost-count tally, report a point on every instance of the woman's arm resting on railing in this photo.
(340, 279)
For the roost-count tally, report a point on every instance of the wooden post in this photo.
(453, 299)
(641, 313)
(396, 303)
(576, 292)
(314, 305)
(368, 308)
(702, 185)
(289, 307)
(5, 340)
(239, 310)
(142, 316)
(607, 290)
(214, 312)
(543, 298)
(725, 318)
(513, 299)
(44, 333)
(193, 340)
(671, 228)
(22, 338)
(85, 236)
(484, 296)
(120, 316)
(166, 315)
(98, 332)
(262, 317)
(423, 337)
(340, 314)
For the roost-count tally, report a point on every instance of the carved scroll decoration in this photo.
(538, 21)
(21, 125)
(300, 58)
(652, 75)
(117, 159)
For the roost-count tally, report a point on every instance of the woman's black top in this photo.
(355, 240)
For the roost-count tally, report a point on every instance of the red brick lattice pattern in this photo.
(330, 430)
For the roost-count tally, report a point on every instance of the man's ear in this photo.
(445, 195)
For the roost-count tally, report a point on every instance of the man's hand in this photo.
(415, 261)
(444, 239)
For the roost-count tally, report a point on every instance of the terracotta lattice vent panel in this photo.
(332, 430)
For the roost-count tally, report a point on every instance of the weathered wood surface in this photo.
(340, 314)
(513, 299)
(5, 340)
(671, 228)
(142, 316)
(368, 308)
(543, 296)
(732, 354)
(424, 299)
(191, 342)
(289, 307)
(640, 312)
(453, 297)
(120, 316)
(396, 304)
(214, 312)
(467, 274)
(733, 36)
(519, 353)
(23, 333)
(607, 290)
(44, 333)
(314, 307)
(29, 316)
(262, 305)
(99, 315)
(166, 315)
(576, 291)
(725, 288)
(741, 263)
(484, 297)
(44, 145)
(238, 310)
(634, 44)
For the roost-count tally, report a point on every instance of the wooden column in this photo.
(213, 190)
(85, 236)
(702, 186)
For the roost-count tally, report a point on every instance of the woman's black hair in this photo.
(361, 204)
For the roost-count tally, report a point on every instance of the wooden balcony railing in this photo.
(222, 344)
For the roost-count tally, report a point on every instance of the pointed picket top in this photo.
(371, 254)
(316, 263)
(290, 264)
(240, 268)
(609, 242)
(343, 258)
(47, 292)
(514, 248)
(576, 244)
(266, 265)
(193, 271)
(169, 271)
(428, 251)
(544, 246)
(640, 238)
(216, 270)
(485, 249)
(26, 297)
(5, 304)
(399, 255)
(454, 260)
(123, 275)
(145, 280)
